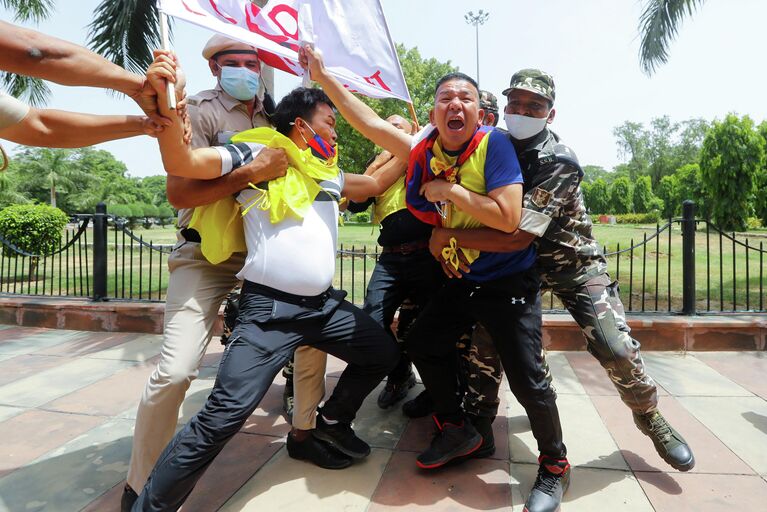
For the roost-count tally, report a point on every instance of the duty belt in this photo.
(407, 248)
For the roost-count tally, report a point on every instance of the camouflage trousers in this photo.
(597, 308)
(481, 372)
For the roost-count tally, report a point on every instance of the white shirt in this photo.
(293, 256)
(12, 111)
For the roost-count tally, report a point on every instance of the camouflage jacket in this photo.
(553, 209)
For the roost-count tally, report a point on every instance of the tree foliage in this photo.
(82, 178)
(621, 197)
(596, 196)
(662, 148)
(659, 25)
(421, 76)
(643, 198)
(731, 160)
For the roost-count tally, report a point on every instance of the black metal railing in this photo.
(684, 266)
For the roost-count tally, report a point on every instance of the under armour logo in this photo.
(514, 300)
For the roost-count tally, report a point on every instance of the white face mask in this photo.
(524, 127)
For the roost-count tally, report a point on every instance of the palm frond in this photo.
(659, 25)
(29, 10)
(32, 90)
(125, 32)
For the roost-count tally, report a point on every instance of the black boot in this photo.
(484, 426)
(394, 391)
(317, 452)
(129, 497)
(669, 443)
(550, 485)
(451, 441)
(419, 406)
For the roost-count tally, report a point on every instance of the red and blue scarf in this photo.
(419, 171)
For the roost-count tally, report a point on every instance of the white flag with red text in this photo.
(352, 34)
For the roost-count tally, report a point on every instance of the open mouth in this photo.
(455, 124)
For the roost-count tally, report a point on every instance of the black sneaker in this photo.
(418, 407)
(550, 485)
(287, 399)
(485, 428)
(393, 392)
(451, 441)
(669, 443)
(129, 497)
(317, 452)
(341, 437)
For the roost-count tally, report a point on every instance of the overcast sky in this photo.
(589, 46)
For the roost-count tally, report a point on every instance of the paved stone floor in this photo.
(68, 398)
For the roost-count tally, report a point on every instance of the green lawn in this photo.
(646, 269)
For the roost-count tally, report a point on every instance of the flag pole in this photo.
(411, 108)
(166, 46)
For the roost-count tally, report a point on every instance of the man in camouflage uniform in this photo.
(489, 103)
(570, 261)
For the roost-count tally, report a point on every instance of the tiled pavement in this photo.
(67, 403)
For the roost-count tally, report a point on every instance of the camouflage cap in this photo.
(533, 80)
(488, 101)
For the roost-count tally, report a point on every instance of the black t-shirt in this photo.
(400, 227)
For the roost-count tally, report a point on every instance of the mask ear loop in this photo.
(5, 162)
(293, 123)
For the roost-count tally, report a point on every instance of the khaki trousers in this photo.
(308, 386)
(196, 289)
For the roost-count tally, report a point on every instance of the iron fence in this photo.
(684, 266)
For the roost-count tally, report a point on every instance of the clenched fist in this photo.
(270, 163)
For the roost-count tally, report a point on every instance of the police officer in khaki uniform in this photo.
(196, 287)
(570, 261)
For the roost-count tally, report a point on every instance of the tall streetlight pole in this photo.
(476, 19)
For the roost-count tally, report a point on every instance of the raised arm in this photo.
(360, 116)
(27, 52)
(178, 158)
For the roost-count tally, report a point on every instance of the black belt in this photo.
(191, 235)
(407, 248)
(313, 301)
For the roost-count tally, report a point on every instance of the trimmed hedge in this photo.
(34, 228)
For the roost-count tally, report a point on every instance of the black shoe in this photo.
(669, 443)
(287, 399)
(418, 407)
(550, 485)
(484, 426)
(451, 441)
(341, 437)
(129, 497)
(393, 392)
(317, 452)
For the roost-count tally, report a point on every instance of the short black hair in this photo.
(300, 102)
(456, 75)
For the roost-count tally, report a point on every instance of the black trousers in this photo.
(270, 326)
(398, 277)
(510, 309)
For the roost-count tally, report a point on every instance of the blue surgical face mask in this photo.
(239, 82)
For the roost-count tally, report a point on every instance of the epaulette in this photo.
(202, 96)
(559, 153)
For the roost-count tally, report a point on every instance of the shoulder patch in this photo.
(540, 197)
